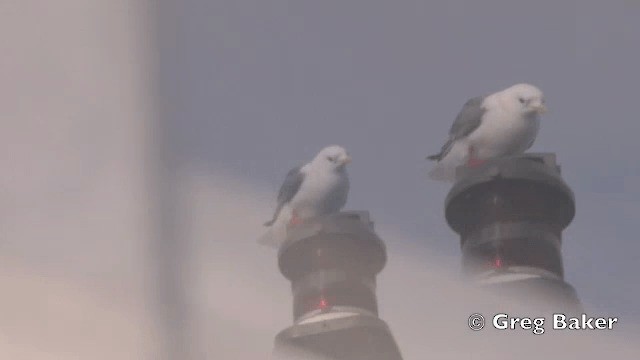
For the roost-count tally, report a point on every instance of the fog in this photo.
(246, 299)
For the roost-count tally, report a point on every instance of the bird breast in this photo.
(321, 194)
(503, 134)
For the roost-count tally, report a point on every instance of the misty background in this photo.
(257, 87)
(145, 142)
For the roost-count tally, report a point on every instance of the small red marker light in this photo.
(323, 303)
(497, 263)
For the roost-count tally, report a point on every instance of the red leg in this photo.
(295, 219)
(473, 161)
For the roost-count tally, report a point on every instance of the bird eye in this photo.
(331, 158)
(521, 100)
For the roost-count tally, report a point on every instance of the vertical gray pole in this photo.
(170, 248)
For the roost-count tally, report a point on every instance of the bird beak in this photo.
(540, 108)
(346, 160)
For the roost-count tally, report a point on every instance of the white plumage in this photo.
(317, 188)
(501, 124)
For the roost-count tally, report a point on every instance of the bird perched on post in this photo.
(501, 124)
(317, 188)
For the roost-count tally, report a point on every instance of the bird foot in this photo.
(473, 162)
(295, 220)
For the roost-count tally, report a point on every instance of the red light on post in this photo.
(497, 262)
(323, 304)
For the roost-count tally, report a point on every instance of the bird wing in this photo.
(288, 190)
(468, 120)
(533, 138)
(530, 144)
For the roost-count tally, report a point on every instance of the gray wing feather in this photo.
(468, 120)
(533, 138)
(288, 190)
(530, 144)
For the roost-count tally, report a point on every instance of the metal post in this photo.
(332, 263)
(510, 214)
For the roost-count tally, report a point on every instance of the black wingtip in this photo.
(269, 223)
(435, 157)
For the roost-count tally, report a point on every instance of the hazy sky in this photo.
(253, 88)
(256, 87)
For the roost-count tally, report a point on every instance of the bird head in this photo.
(332, 157)
(527, 98)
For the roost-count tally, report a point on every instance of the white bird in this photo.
(317, 188)
(501, 124)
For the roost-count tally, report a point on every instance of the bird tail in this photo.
(442, 172)
(276, 214)
(274, 237)
(445, 169)
(276, 234)
(269, 239)
(443, 152)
